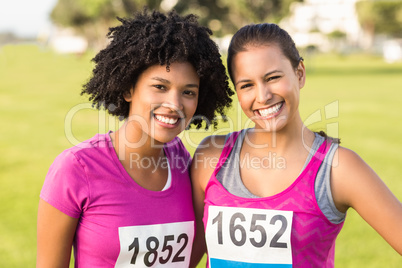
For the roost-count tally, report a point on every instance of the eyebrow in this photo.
(265, 75)
(162, 80)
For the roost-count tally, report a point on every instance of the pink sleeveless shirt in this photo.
(284, 230)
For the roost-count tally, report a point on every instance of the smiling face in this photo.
(267, 86)
(162, 103)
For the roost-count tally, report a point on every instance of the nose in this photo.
(263, 93)
(174, 100)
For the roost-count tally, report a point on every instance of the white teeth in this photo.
(166, 120)
(271, 110)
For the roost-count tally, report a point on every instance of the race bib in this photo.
(248, 237)
(159, 245)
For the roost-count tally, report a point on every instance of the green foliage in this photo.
(381, 16)
(337, 34)
(39, 89)
(78, 13)
(235, 14)
(94, 8)
(68, 13)
(266, 11)
(93, 17)
(209, 12)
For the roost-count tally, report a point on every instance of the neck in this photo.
(130, 140)
(282, 140)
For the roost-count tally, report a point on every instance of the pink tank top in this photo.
(284, 230)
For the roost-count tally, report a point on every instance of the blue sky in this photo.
(25, 18)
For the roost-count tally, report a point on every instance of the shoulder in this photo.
(347, 164)
(206, 158)
(211, 146)
(74, 159)
(178, 155)
(347, 161)
(97, 141)
(176, 145)
(64, 165)
(93, 148)
(66, 185)
(349, 175)
(71, 162)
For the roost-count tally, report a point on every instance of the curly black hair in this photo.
(151, 38)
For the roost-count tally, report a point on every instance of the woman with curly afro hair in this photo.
(123, 199)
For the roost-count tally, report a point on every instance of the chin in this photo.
(162, 139)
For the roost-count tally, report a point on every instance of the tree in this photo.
(256, 11)
(92, 18)
(227, 16)
(211, 13)
(380, 17)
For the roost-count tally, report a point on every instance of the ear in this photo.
(127, 95)
(301, 74)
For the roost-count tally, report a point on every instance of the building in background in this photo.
(66, 41)
(392, 50)
(325, 25)
(333, 25)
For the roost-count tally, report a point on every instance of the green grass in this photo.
(39, 92)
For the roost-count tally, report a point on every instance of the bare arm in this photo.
(202, 167)
(199, 245)
(354, 184)
(55, 234)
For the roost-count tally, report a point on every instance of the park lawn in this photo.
(358, 99)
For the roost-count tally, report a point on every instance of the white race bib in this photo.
(159, 245)
(248, 237)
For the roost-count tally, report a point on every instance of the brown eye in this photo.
(190, 93)
(246, 86)
(273, 78)
(160, 87)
